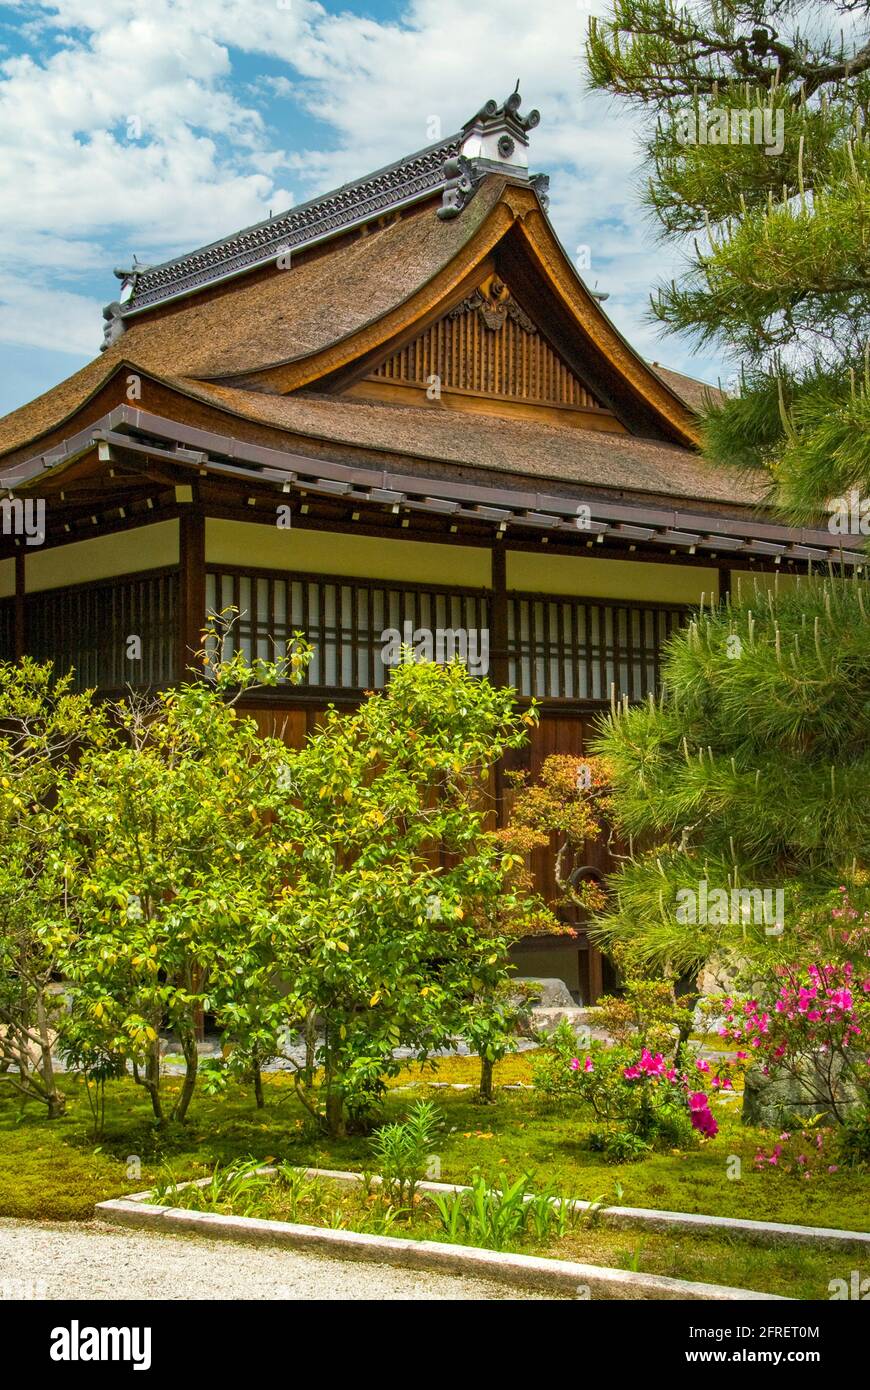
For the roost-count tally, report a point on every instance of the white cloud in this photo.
(207, 162)
(34, 315)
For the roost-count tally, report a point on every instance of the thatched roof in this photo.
(480, 441)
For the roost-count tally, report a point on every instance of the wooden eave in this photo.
(124, 470)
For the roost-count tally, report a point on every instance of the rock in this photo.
(548, 994)
(210, 1047)
(773, 1101)
(581, 1020)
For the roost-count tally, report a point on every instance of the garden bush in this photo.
(639, 1100)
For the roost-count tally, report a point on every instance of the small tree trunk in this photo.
(191, 1058)
(335, 1122)
(334, 1107)
(486, 1080)
(56, 1105)
(55, 1099)
(152, 1080)
(257, 1077)
(310, 1033)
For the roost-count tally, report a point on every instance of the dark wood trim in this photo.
(107, 527)
(315, 577)
(191, 595)
(616, 601)
(126, 578)
(20, 615)
(481, 540)
(725, 583)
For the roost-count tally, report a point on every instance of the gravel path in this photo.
(65, 1260)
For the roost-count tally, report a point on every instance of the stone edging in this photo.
(773, 1232)
(559, 1277)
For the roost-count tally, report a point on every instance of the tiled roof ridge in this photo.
(495, 138)
(353, 202)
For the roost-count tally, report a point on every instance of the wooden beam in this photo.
(191, 587)
(724, 584)
(20, 621)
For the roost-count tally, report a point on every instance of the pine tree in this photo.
(750, 773)
(758, 145)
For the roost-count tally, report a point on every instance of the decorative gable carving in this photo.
(489, 346)
(495, 303)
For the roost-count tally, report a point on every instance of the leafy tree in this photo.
(775, 231)
(168, 860)
(750, 774)
(43, 727)
(396, 889)
(562, 811)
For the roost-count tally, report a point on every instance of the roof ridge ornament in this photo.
(500, 133)
(495, 140)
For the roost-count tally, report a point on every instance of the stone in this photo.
(773, 1101)
(581, 1020)
(549, 993)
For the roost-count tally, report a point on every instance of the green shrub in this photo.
(853, 1139)
(402, 1150)
(619, 1145)
(499, 1217)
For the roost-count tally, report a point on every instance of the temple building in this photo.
(398, 404)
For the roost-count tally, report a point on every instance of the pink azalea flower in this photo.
(653, 1066)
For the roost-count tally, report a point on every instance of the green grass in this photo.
(56, 1170)
(797, 1273)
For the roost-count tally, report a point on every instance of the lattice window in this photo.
(88, 627)
(344, 619)
(577, 649)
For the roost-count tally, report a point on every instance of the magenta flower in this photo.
(701, 1115)
(653, 1066)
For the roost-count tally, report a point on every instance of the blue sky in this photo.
(155, 129)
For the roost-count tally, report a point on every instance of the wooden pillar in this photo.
(498, 651)
(191, 588)
(20, 620)
(724, 585)
(498, 637)
(596, 974)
